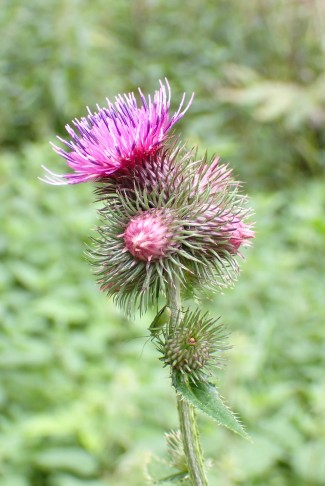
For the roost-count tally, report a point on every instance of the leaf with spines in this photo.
(205, 397)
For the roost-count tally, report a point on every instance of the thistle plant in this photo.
(172, 225)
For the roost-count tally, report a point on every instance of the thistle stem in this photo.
(186, 412)
(191, 442)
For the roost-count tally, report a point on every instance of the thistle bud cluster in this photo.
(175, 219)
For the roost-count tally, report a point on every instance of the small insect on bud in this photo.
(161, 319)
(194, 346)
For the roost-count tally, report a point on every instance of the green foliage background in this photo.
(82, 401)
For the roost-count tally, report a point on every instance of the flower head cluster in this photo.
(194, 346)
(167, 216)
(117, 137)
(175, 219)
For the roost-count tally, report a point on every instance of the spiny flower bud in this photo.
(240, 234)
(149, 236)
(194, 346)
(226, 227)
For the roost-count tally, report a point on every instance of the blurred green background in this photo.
(83, 401)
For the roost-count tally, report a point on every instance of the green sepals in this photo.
(161, 320)
(205, 397)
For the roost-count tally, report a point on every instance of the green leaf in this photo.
(205, 397)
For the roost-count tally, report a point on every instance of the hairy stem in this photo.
(191, 442)
(186, 412)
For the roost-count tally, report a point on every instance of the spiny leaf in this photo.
(205, 397)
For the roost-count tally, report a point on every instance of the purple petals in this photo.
(118, 137)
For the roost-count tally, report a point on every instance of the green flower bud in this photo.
(194, 346)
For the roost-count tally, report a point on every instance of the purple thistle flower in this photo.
(118, 137)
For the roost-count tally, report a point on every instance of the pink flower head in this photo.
(148, 236)
(117, 137)
(239, 234)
